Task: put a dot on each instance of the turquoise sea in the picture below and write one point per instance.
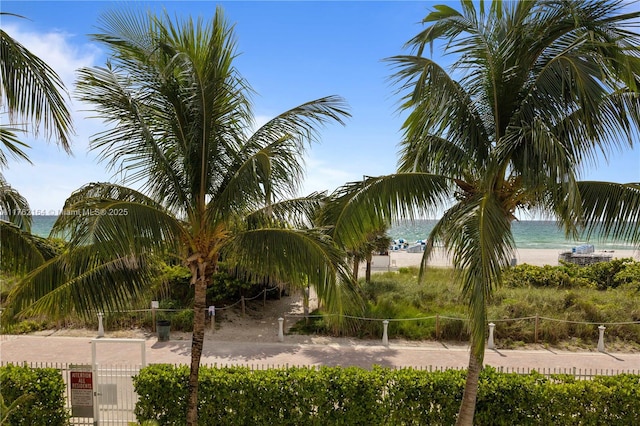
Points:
(528, 234)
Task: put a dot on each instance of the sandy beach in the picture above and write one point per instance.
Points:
(537, 257)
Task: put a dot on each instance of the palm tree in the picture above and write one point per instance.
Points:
(539, 90)
(210, 190)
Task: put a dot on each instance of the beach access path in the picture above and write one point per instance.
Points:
(306, 351)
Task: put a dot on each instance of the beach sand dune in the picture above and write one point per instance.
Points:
(537, 257)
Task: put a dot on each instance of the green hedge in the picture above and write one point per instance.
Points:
(602, 275)
(354, 396)
(45, 404)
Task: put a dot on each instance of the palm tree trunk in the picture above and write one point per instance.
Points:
(197, 342)
(368, 270)
(356, 268)
(468, 405)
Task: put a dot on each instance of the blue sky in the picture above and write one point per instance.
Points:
(291, 52)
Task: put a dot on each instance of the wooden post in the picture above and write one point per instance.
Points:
(305, 303)
(242, 302)
(437, 326)
(535, 331)
(264, 297)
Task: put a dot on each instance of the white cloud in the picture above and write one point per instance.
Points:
(322, 177)
(58, 50)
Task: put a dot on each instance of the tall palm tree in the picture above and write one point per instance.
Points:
(210, 189)
(539, 90)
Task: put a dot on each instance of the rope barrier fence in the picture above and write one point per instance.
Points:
(384, 321)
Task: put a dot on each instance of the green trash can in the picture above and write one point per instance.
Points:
(163, 327)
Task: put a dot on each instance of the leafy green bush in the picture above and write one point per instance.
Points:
(46, 404)
(346, 396)
(602, 275)
(182, 320)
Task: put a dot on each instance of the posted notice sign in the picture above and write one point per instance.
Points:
(81, 384)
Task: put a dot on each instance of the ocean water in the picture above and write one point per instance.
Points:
(528, 234)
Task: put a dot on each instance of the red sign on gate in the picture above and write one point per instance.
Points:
(81, 384)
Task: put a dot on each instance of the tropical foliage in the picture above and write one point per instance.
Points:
(30, 92)
(539, 91)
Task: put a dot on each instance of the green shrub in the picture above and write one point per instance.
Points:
(603, 274)
(26, 326)
(46, 404)
(348, 396)
(538, 276)
(182, 320)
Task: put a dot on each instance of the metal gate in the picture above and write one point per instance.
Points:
(114, 396)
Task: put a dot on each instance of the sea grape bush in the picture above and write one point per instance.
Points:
(380, 396)
(602, 275)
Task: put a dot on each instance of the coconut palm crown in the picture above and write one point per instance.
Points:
(538, 92)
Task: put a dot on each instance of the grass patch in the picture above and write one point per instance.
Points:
(569, 308)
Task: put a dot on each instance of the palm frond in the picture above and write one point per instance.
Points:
(270, 161)
(294, 213)
(440, 109)
(13, 206)
(10, 141)
(33, 92)
(20, 251)
(478, 234)
(118, 220)
(82, 281)
(358, 208)
(612, 210)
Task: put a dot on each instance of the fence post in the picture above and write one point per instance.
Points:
(490, 344)
(437, 326)
(100, 325)
(601, 338)
(535, 331)
(305, 303)
(212, 314)
(242, 303)
(385, 334)
(154, 305)
(281, 329)
(264, 296)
